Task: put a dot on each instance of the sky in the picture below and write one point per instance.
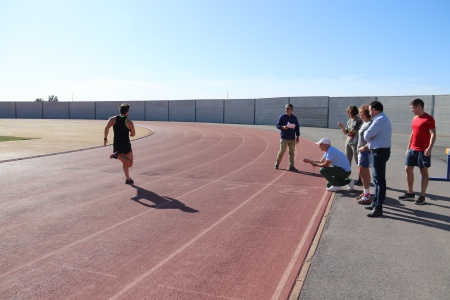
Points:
(217, 49)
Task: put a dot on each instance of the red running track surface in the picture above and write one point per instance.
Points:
(208, 218)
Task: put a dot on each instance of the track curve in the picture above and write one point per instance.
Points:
(208, 218)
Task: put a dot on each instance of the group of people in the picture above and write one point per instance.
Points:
(368, 142)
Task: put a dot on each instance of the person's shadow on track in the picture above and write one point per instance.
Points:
(313, 174)
(310, 173)
(159, 202)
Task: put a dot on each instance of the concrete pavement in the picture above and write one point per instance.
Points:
(404, 255)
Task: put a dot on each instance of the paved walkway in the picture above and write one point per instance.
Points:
(404, 255)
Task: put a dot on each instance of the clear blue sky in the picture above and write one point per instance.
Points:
(198, 49)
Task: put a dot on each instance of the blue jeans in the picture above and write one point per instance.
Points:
(380, 157)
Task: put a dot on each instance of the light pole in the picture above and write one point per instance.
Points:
(227, 95)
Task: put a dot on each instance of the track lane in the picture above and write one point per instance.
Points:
(240, 172)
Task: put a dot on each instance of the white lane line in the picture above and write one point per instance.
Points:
(188, 244)
(114, 194)
(300, 246)
(129, 219)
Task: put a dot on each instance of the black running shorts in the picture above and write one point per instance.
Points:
(122, 148)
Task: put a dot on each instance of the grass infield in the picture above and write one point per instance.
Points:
(12, 138)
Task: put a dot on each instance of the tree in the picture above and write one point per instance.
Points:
(39, 100)
(52, 98)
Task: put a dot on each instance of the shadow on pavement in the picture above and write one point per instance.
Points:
(428, 196)
(396, 210)
(159, 202)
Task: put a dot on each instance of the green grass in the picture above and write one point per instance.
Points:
(12, 138)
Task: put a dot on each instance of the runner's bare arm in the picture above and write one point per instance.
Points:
(108, 125)
(131, 126)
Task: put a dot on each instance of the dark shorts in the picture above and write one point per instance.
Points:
(122, 148)
(364, 159)
(417, 159)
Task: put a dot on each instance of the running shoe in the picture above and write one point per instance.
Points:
(420, 200)
(334, 188)
(351, 185)
(406, 196)
(293, 169)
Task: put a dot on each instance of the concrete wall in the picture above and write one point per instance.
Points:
(311, 111)
(182, 110)
(239, 111)
(442, 115)
(29, 110)
(323, 111)
(8, 110)
(157, 110)
(398, 110)
(105, 109)
(338, 108)
(82, 110)
(55, 110)
(267, 111)
(137, 110)
(209, 111)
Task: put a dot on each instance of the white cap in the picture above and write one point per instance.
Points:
(324, 141)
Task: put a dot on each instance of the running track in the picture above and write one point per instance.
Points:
(208, 218)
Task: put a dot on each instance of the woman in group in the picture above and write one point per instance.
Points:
(364, 156)
(351, 131)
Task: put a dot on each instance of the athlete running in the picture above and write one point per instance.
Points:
(123, 128)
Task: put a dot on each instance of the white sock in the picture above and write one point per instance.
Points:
(367, 191)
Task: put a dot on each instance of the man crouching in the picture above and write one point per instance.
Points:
(334, 166)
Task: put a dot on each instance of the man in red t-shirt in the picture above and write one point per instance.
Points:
(421, 142)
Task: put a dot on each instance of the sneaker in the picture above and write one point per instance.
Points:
(420, 200)
(359, 197)
(129, 181)
(334, 188)
(276, 166)
(293, 169)
(376, 213)
(406, 196)
(351, 185)
(365, 199)
(114, 155)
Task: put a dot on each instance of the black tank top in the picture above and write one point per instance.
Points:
(121, 131)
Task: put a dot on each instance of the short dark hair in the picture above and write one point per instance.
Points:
(290, 106)
(376, 105)
(417, 102)
(124, 108)
(353, 110)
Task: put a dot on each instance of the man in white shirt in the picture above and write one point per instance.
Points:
(378, 138)
(334, 166)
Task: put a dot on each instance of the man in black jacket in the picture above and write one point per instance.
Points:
(289, 136)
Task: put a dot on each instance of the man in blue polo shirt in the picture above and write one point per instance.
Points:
(289, 136)
(334, 166)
